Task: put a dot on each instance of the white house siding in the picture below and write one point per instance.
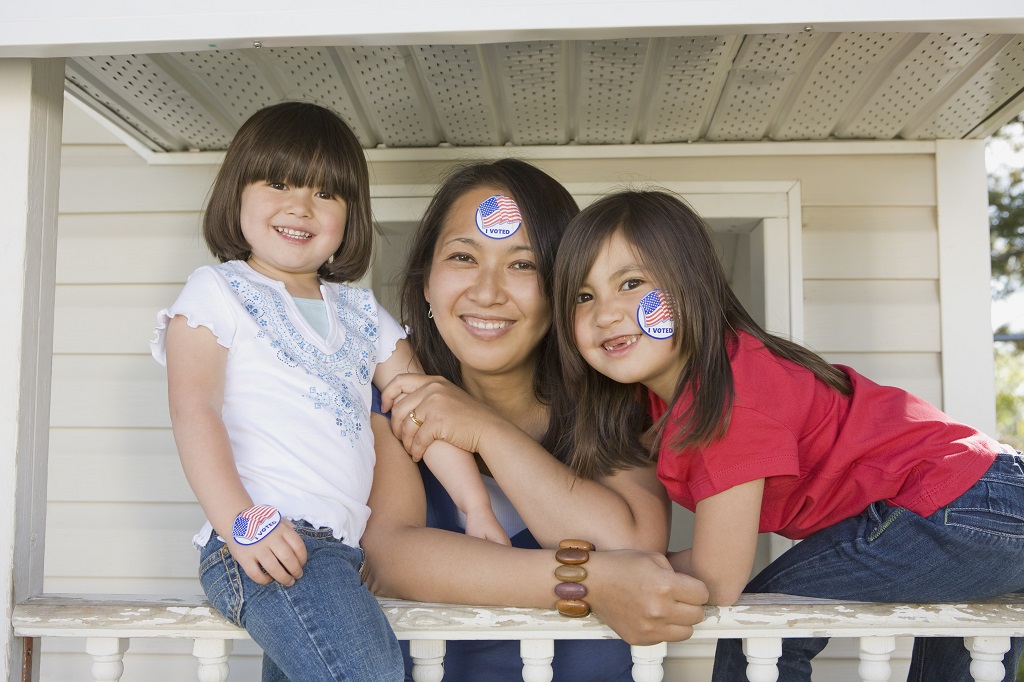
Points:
(120, 514)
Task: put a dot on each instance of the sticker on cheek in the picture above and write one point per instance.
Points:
(654, 315)
(498, 217)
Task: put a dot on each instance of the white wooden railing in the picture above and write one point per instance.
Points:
(107, 623)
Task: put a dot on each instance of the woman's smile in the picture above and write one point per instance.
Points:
(484, 324)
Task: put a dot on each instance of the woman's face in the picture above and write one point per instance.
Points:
(485, 293)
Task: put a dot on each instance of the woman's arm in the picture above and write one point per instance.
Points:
(627, 510)
(635, 593)
(724, 541)
(196, 366)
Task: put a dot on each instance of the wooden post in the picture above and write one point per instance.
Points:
(965, 269)
(31, 113)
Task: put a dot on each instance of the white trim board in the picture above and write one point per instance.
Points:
(71, 27)
(965, 271)
(31, 113)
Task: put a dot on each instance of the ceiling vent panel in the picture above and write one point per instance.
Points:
(997, 82)
(455, 80)
(611, 78)
(912, 84)
(799, 86)
(762, 73)
(391, 95)
(687, 78)
(834, 83)
(229, 85)
(145, 98)
(315, 75)
(534, 91)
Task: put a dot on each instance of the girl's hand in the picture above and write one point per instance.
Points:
(483, 524)
(445, 411)
(279, 556)
(638, 595)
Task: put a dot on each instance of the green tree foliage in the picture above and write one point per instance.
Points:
(1006, 220)
(1009, 365)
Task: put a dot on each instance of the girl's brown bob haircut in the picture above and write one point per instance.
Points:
(303, 145)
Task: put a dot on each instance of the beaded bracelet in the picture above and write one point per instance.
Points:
(571, 556)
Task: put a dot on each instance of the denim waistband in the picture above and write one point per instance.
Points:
(306, 529)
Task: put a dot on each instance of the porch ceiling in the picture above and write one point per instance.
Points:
(715, 88)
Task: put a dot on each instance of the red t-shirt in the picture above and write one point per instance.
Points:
(824, 456)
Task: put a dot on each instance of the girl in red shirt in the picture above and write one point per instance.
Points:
(894, 500)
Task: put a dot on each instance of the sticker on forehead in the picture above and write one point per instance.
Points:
(654, 315)
(498, 217)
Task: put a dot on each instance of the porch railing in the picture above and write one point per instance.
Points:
(108, 623)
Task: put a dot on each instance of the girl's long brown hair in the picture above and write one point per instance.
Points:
(676, 249)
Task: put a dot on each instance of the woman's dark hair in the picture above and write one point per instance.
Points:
(304, 145)
(546, 208)
(676, 249)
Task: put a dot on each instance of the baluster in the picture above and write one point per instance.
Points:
(427, 659)
(874, 658)
(212, 655)
(647, 662)
(537, 655)
(762, 658)
(107, 654)
(987, 657)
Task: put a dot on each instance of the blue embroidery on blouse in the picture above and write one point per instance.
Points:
(354, 312)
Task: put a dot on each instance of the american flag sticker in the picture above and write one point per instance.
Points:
(254, 524)
(498, 217)
(654, 315)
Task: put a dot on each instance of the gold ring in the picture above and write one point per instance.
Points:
(412, 416)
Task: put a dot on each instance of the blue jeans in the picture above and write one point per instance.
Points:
(325, 627)
(969, 549)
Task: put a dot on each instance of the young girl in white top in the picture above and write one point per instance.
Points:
(270, 361)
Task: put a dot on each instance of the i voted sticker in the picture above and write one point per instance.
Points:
(654, 315)
(498, 217)
(254, 524)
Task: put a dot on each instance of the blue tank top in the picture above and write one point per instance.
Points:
(580, 660)
(593, 660)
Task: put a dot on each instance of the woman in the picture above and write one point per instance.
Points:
(480, 309)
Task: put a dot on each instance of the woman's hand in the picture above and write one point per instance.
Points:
(443, 411)
(279, 556)
(638, 595)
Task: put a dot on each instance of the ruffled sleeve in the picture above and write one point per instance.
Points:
(389, 334)
(205, 301)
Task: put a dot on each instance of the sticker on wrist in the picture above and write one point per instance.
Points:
(255, 523)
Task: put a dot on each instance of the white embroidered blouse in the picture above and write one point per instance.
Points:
(296, 404)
